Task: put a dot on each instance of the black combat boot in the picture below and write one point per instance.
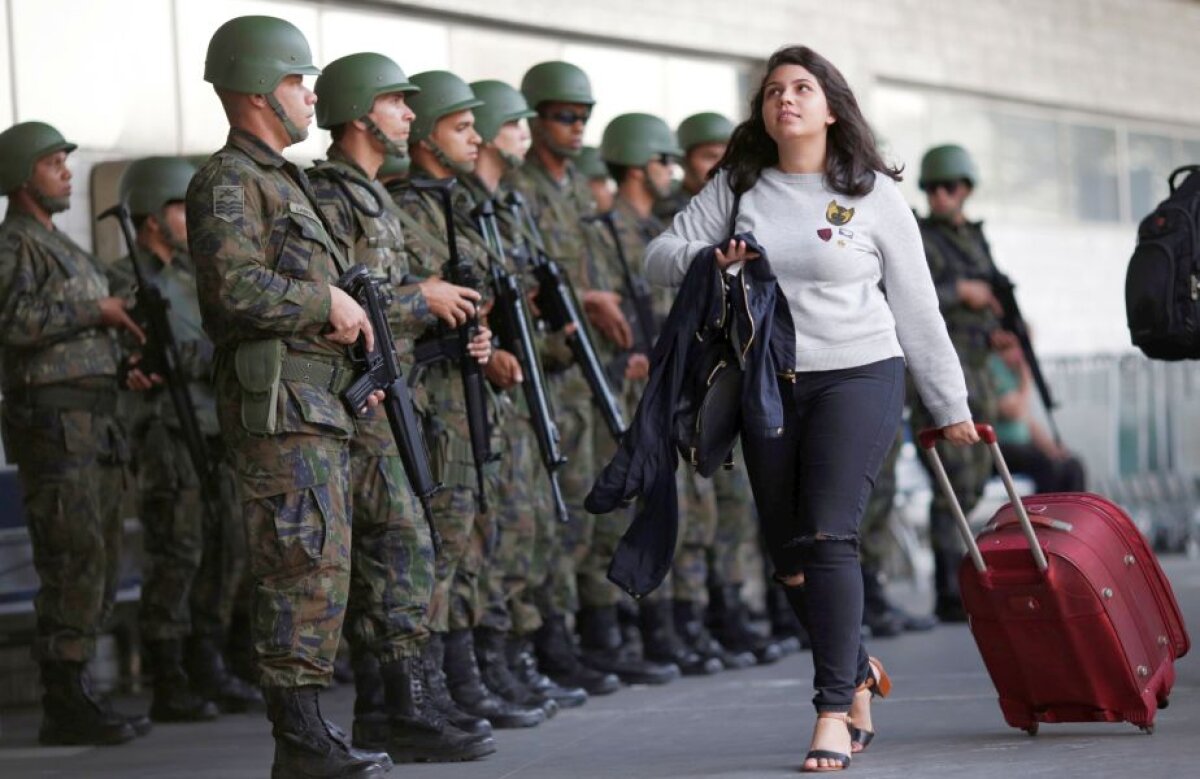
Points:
(949, 606)
(689, 624)
(663, 645)
(470, 693)
(433, 656)
(785, 627)
(173, 699)
(600, 641)
(212, 680)
(490, 651)
(557, 657)
(370, 729)
(731, 620)
(522, 663)
(309, 747)
(72, 715)
(884, 618)
(420, 733)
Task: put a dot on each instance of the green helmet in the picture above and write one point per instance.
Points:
(589, 164)
(394, 165)
(252, 54)
(21, 146)
(950, 162)
(442, 93)
(501, 104)
(556, 82)
(150, 183)
(348, 87)
(636, 139)
(707, 127)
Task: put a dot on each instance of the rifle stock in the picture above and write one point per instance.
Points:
(1014, 322)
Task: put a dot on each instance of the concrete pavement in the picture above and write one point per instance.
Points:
(941, 720)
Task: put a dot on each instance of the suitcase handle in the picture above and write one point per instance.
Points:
(927, 439)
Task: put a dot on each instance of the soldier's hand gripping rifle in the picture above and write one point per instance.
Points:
(558, 308)
(453, 343)
(381, 371)
(637, 291)
(1012, 321)
(513, 325)
(161, 355)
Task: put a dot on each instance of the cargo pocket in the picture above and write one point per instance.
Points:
(287, 532)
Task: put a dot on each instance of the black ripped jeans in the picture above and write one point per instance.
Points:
(811, 486)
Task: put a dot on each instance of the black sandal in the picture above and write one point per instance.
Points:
(880, 686)
(842, 760)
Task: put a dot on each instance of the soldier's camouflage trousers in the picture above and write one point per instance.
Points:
(71, 466)
(592, 544)
(195, 559)
(510, 578)
(392, 571)
(874, 539)
(576, 423)
(968, 468)
(299, 552)
(737, 522)
(716, 520)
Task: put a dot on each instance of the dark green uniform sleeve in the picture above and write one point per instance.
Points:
(26, 317)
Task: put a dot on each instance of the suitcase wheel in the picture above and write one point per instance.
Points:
(1147, 729)
(1032, 729)
(1164, 703)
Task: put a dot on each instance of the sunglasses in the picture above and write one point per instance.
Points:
(951, 187)
(567, 117)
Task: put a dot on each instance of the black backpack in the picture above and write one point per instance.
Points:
(1162, 285)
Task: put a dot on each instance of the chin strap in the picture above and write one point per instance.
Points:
(395, 148)
(445, 161)
(51, 205)
(537, 129)
(294, 133)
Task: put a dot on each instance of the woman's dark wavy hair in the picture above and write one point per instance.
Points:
(851, 157)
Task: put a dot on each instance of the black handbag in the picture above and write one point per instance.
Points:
(708, 415)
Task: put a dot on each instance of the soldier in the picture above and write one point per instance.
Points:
(444, 144)
(195, 557)
(709, 564)
(559, 200)
(527, 530)
(591, 167)
(638, 149)
(266, 274)
(61, 359)
(362, 99)
(962, 268)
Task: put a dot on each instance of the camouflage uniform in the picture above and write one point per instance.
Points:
(391, 578)
(559, 208)
(954, 254)
(60, 429)
(465, 532)
(264, 264)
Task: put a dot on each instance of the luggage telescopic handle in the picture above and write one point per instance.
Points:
(927, 439)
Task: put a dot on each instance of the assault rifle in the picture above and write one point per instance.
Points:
(447, 343)
(637, 291)
(381, 371)
(514, 327)
(161, 355)
(559, 308)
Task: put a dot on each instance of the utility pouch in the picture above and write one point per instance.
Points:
(259, 365)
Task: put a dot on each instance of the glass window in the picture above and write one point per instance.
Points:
(204, 126)
(1027, 166)
(696, 86)
(1094, 173)
(1189, 153)
(1150, 158)
(6, 97)
(105, 79)
(478, 53)
(415, 45)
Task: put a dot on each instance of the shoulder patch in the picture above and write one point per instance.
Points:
(229, 202)
(303, 210)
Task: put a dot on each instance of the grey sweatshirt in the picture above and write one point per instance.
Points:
(833, 256)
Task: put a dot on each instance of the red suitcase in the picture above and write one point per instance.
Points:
(1074, 617)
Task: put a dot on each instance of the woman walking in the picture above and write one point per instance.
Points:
(804, 177)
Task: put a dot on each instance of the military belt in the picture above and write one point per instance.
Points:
(94, 400)
(335, 377)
